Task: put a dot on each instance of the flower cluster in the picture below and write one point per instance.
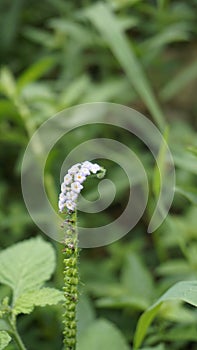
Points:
(72, 184)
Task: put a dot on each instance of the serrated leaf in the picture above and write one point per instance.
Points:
(102, 334)
(26, 265)
(40, 297)
(184, 291)
(4, 339)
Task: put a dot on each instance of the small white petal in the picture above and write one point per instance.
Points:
(70, 205)
(64, 188)
(71, 195)
(61, 206)
(79, 177)
(76, 186)
(62, 196)
(67, 179)
(87, 164)
(95, 167)
(68, 196)
(61, 202)
(85, 171)
(74, 169)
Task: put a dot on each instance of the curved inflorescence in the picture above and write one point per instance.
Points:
(72, 184)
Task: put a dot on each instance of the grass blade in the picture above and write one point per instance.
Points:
(105, 21)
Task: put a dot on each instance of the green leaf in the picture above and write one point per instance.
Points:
(180, 81)
(5, 326)
(85, 314)
(36, 71)
(143, 325)
(189, 192)
(123, 301)
(158, 347)
(106, 22)
(102, 335)
(185, 160)
(129, 293)
(181, 333)
(4, 339)
(184, 291)
(160, 168)
(26, 265)
(9, 25)
(174, 267)
(76, 31)
(136, 278)
(175, 32)
(7, 110)
(42, 37)
(7, 83)
(110, 90)
(176, 311)
(193, 150)
(40, 297)
(75, 90)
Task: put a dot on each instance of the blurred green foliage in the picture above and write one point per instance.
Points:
(56, 54)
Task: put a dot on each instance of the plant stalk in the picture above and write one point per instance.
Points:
(71, 281)
(18, 340)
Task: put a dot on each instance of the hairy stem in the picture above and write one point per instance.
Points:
(71, 280)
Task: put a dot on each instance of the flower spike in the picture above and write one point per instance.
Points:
(72, 183)
(70, 190)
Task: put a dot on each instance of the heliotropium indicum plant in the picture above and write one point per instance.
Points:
(70, 190)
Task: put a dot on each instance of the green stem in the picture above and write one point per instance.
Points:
(71, 280)
(12, 330)
(18, 340)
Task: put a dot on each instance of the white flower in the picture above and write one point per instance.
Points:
(95, 167)
(61, 206)
(80, 177)
(67, 179)
(72, 184)
(87, 164)
(64, 188)
(74, 169)
(70, 205)
(85, 170)
(76, 187)
(71, 195)
(62, 197)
